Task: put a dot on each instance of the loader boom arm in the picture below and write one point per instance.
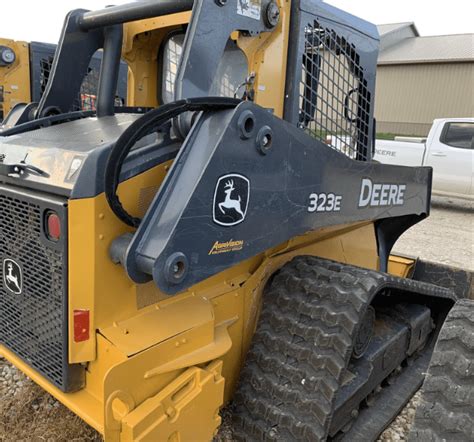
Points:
(228, 182)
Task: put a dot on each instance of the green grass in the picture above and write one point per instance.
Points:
(385, 136)
(391, 137)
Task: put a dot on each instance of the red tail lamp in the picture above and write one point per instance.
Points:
(81, 325)
(53, 226)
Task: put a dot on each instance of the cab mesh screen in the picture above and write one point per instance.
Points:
(86, 99)
(334, 101)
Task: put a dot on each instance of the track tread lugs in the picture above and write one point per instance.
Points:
(276, 404)
(446, 411)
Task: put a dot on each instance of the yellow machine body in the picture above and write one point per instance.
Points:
(15, 78)
(154, 362)
(159, 367)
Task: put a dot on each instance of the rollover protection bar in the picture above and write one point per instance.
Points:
(132, 11)
(84, 33)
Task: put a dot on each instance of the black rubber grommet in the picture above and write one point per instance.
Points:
(264, 139)
(246, 124)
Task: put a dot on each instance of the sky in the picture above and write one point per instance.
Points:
(32, 20)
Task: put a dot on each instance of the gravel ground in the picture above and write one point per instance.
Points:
(446, 236)
(28, 413)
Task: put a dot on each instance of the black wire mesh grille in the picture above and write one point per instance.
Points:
(45, 70)
(334, 101)
(31, 322)
(86, 99)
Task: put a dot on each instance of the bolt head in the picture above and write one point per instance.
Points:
(272, 14)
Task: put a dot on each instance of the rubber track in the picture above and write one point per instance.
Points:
(446, 411)
(311, 312)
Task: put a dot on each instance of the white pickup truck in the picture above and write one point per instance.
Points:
(449, 150)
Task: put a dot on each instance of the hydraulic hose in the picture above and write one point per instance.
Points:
(147, 124)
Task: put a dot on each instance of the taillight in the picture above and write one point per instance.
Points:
(53, 226)
(81, 325)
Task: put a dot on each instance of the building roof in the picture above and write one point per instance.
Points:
(388, 28)
(436, 49)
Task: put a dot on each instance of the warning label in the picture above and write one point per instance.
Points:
(249, 8)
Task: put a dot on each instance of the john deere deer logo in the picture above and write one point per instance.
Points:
(231, 198)
(12, 277)
(229, 203)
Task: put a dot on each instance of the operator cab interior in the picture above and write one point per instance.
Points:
(228, 82)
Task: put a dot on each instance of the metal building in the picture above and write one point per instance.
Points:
(422, 78)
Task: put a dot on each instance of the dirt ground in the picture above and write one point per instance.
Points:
(27, 413)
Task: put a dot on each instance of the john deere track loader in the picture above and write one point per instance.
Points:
(208, 244)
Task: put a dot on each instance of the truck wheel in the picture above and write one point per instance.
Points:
(446, 411)
(310, 315)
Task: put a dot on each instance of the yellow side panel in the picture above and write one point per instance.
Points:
(97, 284)
(158, 324)
(186, 410)
(401, 266)
(15, 78)
(146, 374)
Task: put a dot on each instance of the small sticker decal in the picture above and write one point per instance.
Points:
(249, 8)
(227, 246)
(76, 165)
(12, 276)
(231, 199)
